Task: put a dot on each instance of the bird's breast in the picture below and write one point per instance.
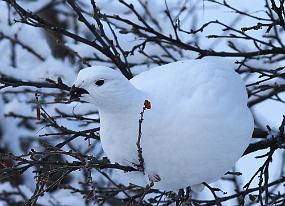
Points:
(119, 135)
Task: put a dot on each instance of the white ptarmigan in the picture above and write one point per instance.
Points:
(197, 128)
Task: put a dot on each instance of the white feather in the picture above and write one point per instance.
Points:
(198, 127)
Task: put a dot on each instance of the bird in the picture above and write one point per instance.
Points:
(196, 122)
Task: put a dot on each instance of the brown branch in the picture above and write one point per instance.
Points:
(10, 81)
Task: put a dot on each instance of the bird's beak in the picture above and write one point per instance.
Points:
(76, 92)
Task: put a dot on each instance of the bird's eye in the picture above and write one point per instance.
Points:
(99, 82)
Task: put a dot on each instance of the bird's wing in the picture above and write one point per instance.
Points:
(197, 82)
(193, 95)
(199, 120)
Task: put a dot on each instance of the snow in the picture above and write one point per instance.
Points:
(62, 196)
(29, 67)
(200, 101)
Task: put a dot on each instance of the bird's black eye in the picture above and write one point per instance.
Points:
(99, 82)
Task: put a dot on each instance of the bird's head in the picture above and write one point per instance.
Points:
(100, 85)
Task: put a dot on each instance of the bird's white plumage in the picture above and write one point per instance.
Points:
(198, 127)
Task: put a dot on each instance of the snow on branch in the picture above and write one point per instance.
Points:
(50, 147)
